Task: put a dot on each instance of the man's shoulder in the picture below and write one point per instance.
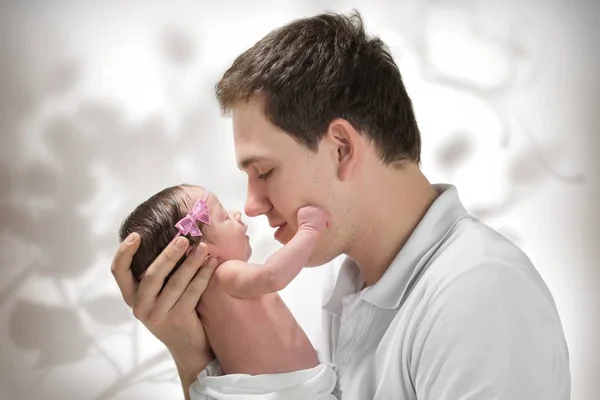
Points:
(475, 250)
(478, 272)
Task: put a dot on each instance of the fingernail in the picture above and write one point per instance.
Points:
(212, 263)
(131, 238)
(179, 243)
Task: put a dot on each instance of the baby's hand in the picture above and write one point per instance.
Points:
(314, 218)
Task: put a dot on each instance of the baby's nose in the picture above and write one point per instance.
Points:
(236, 215)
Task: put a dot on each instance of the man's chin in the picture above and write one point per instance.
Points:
(317, 259)
(285, 236)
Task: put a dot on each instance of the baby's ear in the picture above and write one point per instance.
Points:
(194, 243)
(190, 250)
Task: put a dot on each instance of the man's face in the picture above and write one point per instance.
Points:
(283, 176)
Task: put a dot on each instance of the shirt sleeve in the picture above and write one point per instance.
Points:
(492, 332)
(311, 384)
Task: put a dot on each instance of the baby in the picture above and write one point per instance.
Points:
(272, 340)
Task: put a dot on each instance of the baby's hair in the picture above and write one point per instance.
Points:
(154, 220)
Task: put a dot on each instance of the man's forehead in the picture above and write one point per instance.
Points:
(256, 139)
(254, 146)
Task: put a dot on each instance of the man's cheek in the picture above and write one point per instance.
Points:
(285, 209)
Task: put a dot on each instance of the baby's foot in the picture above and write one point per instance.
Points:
(314, 218)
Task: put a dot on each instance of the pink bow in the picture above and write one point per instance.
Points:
(187, 225)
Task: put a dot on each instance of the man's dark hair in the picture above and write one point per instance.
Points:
(154, 220)
(314, 70)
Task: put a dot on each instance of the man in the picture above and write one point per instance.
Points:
(430, 302)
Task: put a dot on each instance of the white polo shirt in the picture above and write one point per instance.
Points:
(461, 313)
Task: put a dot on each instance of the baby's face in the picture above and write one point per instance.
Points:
(226, 235)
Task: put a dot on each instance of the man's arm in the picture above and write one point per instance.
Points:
(170, 313)
(491, 333)
(187, 378)
(188, 372)
(251, 280)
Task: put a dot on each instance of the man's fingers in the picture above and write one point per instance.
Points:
(121, 267)
(191, 296)
(178, 282)
(155, 275)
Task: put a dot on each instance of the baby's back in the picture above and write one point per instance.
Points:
(253, 336)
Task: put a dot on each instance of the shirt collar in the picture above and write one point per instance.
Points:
(349, 281)
(388, 292)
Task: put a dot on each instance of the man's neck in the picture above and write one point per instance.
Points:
(395, 204)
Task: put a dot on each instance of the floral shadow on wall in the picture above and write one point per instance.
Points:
(50, 202)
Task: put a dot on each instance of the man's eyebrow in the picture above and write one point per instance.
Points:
(248, 161)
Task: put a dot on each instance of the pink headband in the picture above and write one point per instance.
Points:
(187, 225)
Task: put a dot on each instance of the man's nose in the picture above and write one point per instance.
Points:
(256, 203)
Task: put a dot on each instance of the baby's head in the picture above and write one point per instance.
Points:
(155, 219)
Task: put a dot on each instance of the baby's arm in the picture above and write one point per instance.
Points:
(250, 280)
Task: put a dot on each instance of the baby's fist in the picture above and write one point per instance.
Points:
(314, 218)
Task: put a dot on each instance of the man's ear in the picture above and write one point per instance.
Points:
(346, 144)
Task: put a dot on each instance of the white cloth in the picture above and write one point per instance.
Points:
(316, 383)
(461, 313)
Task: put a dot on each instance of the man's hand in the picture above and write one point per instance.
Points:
(170, 314)
(311, 217)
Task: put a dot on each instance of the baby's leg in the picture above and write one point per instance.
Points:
(254, 336)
